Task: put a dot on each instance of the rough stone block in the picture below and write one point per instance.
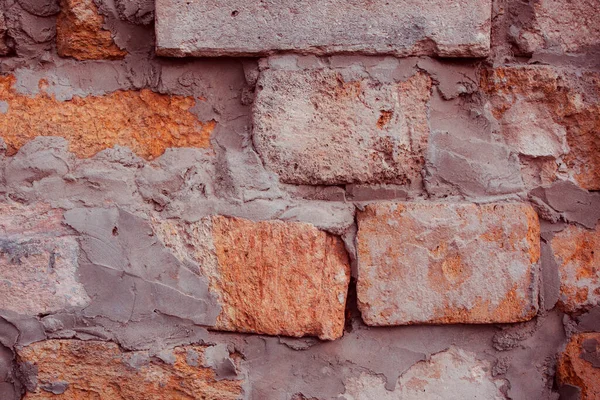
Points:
(80, 33)
(38, 262)
(579, 365)
(271, 277)
(447, 263)
(577, 252)
(327, 125)
(73, 369)
(550, 113)
(561, 26)
(145, 121)
(450, 374)
(400, 27)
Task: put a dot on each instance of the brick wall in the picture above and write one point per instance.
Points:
(385, 199)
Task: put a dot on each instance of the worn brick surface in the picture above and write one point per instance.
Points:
(272, 277)
(562, 26)
(579, 365)
(145, 121)
(75, 369)
(577, 252)
(38, 261)
(313, 126)
(447, 263)
(80, 33)
(401, 27)
(450, 374)
(551, 112)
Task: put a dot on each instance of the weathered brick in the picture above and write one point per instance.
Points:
(577, 252)
(447, 263)
(38, 261)
(145, 121)
(547, 111)
(453, 373)
(72, 369)
(271, 277)
(408, 27)
(312, 126)
(561, 26)
(579, 365)
(80, 33)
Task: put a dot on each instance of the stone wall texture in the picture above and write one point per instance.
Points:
(300, 200)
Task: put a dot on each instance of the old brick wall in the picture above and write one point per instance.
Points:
(308, 199)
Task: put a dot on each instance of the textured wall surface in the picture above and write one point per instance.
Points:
(300, 200)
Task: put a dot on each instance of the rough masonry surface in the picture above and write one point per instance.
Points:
(579, 365)
(73, 369)
(145, 121)
(400, 27)
(447, 263)
(38, 261)
(577, 252)
(80, 33)
(331, 126)
(257, 268)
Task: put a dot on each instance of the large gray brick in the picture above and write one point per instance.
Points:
(447, 28)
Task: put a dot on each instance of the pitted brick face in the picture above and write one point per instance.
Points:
(577, 252)
(74, 369)
(80, 33)
(315, 127)
(447, 263)
(145, 121)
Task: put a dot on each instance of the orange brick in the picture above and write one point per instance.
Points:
(79, 33)
(577, 252)
(144, 121)
(447, 263)
(92, 369)
(271, 277)
(578, 365)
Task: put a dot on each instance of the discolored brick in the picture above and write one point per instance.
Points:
(447, 263)
(579, 365)
(577, 252)
(75, 369)
(271, 277)
(80, 33)
(318, 126)
(145, 121)
(38, 261)
(550, 112)
(450, 374)
(561, 26)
